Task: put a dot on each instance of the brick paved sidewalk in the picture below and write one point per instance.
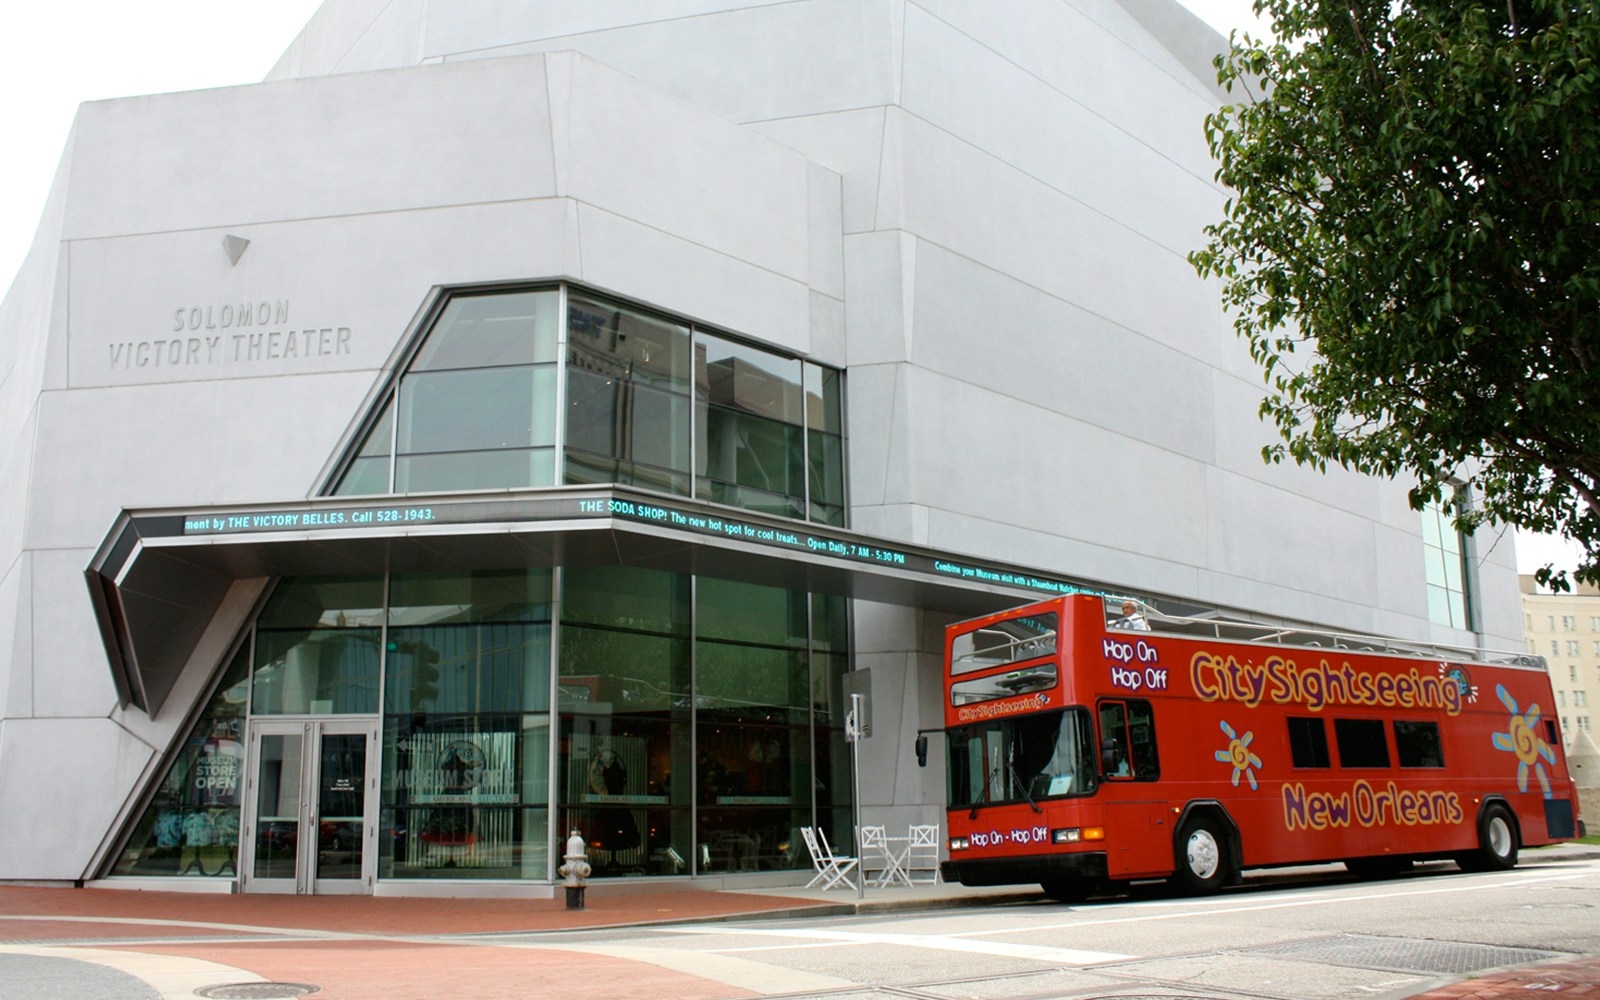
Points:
(1572, 978)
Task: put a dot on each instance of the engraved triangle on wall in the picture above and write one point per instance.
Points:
(234, 247)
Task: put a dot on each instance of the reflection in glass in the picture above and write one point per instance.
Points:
(1009, 641)
(369, 471)
(464, 797)
(476, 409)
(749, 411)
(191, 826)
(1038, 677)
(626, 752)
(627, 396)
(466, 745)
(633, 433)
(1024, 757)
(617, 341)
(325, 601)
(277, 806)
(315, 672)
(492, 330)
(341, 805)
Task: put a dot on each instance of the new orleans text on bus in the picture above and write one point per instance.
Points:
(1083, 753)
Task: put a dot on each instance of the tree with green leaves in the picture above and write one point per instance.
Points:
(1411, 248)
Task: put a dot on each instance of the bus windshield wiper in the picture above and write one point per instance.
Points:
(988, 783)
(1015, 780)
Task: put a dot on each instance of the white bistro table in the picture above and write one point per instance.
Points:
(895, 852)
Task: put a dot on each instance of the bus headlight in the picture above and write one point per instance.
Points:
(1074, 834)
(958, 843)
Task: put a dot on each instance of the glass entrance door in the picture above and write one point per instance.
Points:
(310, 800)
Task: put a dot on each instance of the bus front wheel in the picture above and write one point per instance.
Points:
(1497, 843)
(1202, 862)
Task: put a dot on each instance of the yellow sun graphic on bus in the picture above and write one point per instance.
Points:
(1522, 738)
(1238, 754)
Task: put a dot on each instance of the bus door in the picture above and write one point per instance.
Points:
(1138, 819)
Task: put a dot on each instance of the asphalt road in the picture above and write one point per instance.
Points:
(1303, 935)
(1296, 936)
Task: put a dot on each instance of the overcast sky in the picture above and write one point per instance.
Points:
(61, 53)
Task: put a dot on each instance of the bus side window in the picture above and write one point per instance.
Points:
(1142, 738)
(1417, 744)
(1114, 740)
(1128, 740)
(1362, 742)
(1308, 742)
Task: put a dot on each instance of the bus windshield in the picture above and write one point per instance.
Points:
(1022, 758)
(1002, 642)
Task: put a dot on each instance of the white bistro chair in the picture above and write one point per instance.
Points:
(922, 855)
(832, 869)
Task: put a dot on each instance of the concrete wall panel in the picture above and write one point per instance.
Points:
(758, 63)
(1021, 466)
(623, 256)
(16, 640)
(969, 90)
(334, 30)
(1241, 434)
(44, 833)
(487, 25)
(177, 444)
(1283, 539)
(993, 331)
(71, 676)
(1100, 56)
(977, 206)
(850, 143)
(880, 272)
(875, 453)
(683, 171)
(305, 149)
(824, 234)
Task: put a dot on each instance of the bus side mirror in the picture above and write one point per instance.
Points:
(922, 751)
(1110, 756)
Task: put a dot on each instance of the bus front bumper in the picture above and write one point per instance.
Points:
(1041, 868)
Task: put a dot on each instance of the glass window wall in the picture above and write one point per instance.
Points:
(626, 740)
(317, 648)
(191, 827)
(697, 725)
(466, 755)
(649, 402)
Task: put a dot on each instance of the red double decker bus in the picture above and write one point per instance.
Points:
(1084, 752)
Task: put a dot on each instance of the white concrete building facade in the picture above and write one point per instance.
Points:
(515, 416)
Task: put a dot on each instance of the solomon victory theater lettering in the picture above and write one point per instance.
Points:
(231, 333)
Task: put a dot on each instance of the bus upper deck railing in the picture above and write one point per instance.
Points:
(1308, 638)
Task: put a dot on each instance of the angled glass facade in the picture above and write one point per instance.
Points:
(501, 392)
(456, 725)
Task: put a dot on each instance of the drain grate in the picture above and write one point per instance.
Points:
(1404, 954)
(256, 991)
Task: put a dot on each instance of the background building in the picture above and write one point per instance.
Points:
(508, 417)
(1565, 630)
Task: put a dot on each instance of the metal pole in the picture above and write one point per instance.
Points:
(852, 731)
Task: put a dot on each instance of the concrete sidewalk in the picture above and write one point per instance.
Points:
(167, 945)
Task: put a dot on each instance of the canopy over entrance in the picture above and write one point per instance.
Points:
(160, 576)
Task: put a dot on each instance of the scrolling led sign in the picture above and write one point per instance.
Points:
(693, 521)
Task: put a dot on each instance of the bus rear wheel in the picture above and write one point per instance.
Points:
(1202, 861)
(1497, 843)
